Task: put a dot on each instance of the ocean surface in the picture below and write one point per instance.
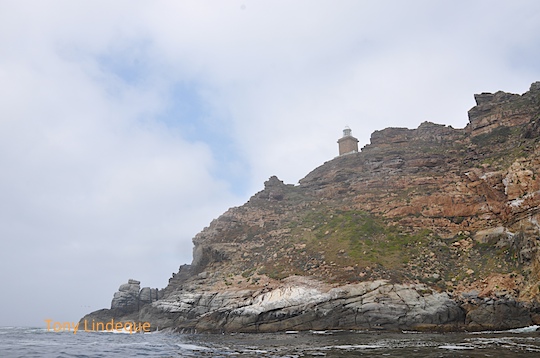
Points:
(38, 342)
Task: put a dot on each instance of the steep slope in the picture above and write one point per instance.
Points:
(429, 228)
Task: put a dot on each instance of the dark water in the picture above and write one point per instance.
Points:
(37, 342)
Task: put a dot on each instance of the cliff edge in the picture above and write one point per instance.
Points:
(432, 228)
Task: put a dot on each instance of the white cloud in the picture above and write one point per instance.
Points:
(94, 189)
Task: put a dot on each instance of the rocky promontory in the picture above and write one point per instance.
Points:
(432, 228)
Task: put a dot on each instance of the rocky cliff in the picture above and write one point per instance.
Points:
(431, 228)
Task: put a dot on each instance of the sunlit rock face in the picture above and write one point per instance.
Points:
(431, 228)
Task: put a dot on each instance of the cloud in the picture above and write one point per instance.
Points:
(126, 127)
(95, 190)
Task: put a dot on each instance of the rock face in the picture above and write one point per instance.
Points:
(493, 315)
(299, 303)
(430, 228)
(127, 297)
(494, 110)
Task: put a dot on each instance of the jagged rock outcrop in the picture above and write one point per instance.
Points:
(126, 303)
(500, 109)
(127, 297)
(426, 228)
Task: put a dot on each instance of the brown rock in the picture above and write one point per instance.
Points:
(452, 209)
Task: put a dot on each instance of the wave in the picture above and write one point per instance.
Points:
(527, 329)
(456, 347)
(192, 347)
(355, 346)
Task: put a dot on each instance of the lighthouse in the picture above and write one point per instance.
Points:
(347, 144)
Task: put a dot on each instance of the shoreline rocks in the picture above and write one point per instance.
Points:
(301, 303)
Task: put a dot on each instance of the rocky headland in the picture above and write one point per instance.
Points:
(432, 228)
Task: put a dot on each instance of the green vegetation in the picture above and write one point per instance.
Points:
(357, 238)
(339, 240)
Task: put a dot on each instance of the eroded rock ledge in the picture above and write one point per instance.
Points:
(302, 304)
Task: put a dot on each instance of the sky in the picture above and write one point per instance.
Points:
(127, 126)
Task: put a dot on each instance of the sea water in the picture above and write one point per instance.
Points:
(38, 342)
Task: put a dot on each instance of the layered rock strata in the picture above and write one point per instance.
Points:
(429, 228)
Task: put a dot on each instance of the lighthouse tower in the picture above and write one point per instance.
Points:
(347, 144)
